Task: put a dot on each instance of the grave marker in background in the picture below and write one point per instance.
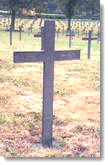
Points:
(41, 34)
(10, 35)
(98, 36)
(89, 39)
(47, 56)
(20, 30)
(4, 22)
(71, 34)
(30, 29)
(58, 32)
(63, 30)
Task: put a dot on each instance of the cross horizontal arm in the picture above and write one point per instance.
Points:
(37, 35)
(85, 39)
(94, 38)
(67, 55)
(89, 39)
(24, 57)
(38, 56)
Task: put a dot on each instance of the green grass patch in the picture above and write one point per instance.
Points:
(2, 119)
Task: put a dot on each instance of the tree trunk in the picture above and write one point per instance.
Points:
(13, 19)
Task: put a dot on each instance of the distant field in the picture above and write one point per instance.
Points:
(76, 101)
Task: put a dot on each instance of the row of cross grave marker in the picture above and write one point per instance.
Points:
(70, 33)
(47, 55)
(20, 32)
(31, 26)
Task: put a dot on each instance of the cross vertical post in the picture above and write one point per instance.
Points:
(10, 35)
(48, 76)
(20, 29)
(58, 32)
(42, 36)
(63, 31)
(98, 35)
(69, 38)
(70, 34)
(89, 44)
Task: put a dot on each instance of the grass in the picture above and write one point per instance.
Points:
(76, 124)
(2, 119)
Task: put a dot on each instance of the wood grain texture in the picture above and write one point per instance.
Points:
(66, 55)
(27, 57)
(48, 80)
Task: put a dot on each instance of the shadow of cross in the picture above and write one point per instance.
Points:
(89, 42)
(47, 56)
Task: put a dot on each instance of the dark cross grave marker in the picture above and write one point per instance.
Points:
(83, 32)
(75, 31)
(71, 34)
(47, 56)
(89, 39)
(78, 32)
(4, 22)
(98, 36)
(7, 29)
(63, 31)
(20, 30)
(30, 29)
(10, 35)
(40, 23)
(41, 34)
(58, 32)
(86, 33)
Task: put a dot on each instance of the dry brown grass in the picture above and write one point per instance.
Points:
(76, 128)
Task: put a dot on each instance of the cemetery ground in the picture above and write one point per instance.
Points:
(76, 123)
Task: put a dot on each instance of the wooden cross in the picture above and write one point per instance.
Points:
(98, 35)
(47, 56)
(89, 39)
(78, 32)
(20, 30)
(10, 35)
(86, 33)
(58, 32)
(4, 22)
(63, 30)
(71, 34)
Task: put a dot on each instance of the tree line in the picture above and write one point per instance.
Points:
(67, 7)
